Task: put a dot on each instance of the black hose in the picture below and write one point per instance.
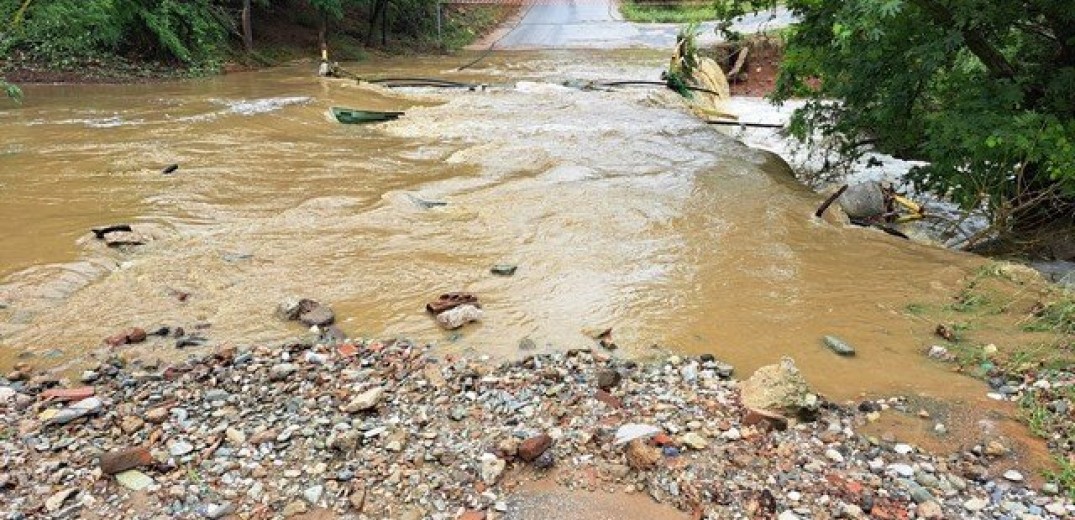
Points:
(655, 83)
(429, 81)
(427, 84)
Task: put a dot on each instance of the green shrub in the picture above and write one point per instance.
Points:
(982, 91)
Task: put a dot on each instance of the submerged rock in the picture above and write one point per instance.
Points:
(839, 346)
(863, 200)
(457, 317)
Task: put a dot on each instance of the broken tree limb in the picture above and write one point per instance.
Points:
(828, 202)
(100, 233)
(739, 62)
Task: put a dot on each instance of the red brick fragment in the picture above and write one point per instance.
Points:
(532, 448)
(119, 461)
(68, 394)
(608, 399)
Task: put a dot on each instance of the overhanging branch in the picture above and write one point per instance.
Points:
(978, 44)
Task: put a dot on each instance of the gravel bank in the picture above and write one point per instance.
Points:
(387, 430)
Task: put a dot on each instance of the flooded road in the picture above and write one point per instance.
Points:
(621, 209)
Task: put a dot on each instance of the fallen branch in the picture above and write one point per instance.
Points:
(739, 62)
(828, 202)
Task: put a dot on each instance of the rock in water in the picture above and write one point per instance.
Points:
(289, 309)
(314, 313)
(454, 318)
(504, 269)
(863, 200)
(780, 388)
(839, 346)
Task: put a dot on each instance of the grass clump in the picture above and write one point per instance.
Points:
(668, 12)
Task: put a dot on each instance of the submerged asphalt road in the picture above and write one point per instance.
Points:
(597, 24)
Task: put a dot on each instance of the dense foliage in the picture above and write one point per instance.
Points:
(984, 90)
(69, 32)
(198, 34)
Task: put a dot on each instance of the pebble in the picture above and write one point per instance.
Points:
(235, 436)
(1057, 508)
(834, 456)
(365, 401)
(902, 449)
(219, 510)
(312, 494)
(180, 448)
(733, 434)
(975, 504)
(694, 441)
(1013, 475)
(903, 470)
(491, 468)
(930, 509)
(134, 480)
(295, 507)
(282, 371)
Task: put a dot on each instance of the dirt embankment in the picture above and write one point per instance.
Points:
(752, 66)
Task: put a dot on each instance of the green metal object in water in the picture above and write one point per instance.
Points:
(354, 116)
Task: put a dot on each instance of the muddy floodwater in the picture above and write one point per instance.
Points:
(621, 210)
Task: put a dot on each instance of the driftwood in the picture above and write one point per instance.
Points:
(828, 202)
(101, 232)
(739, 62)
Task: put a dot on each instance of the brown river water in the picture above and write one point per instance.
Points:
(621, 209)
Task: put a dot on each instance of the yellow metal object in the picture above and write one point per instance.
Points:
(913, 207)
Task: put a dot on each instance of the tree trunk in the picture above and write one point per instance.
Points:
(977, 43)
(384, 24)
(378, 10)
(321, 30)
(248, 33)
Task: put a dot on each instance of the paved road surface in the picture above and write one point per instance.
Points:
(597, 24)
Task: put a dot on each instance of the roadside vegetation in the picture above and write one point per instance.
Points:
(668, 11)
(983, 92)
(97, 40)
(1009, 328)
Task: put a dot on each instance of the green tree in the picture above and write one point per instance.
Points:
(66, 33)
(984, 90)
